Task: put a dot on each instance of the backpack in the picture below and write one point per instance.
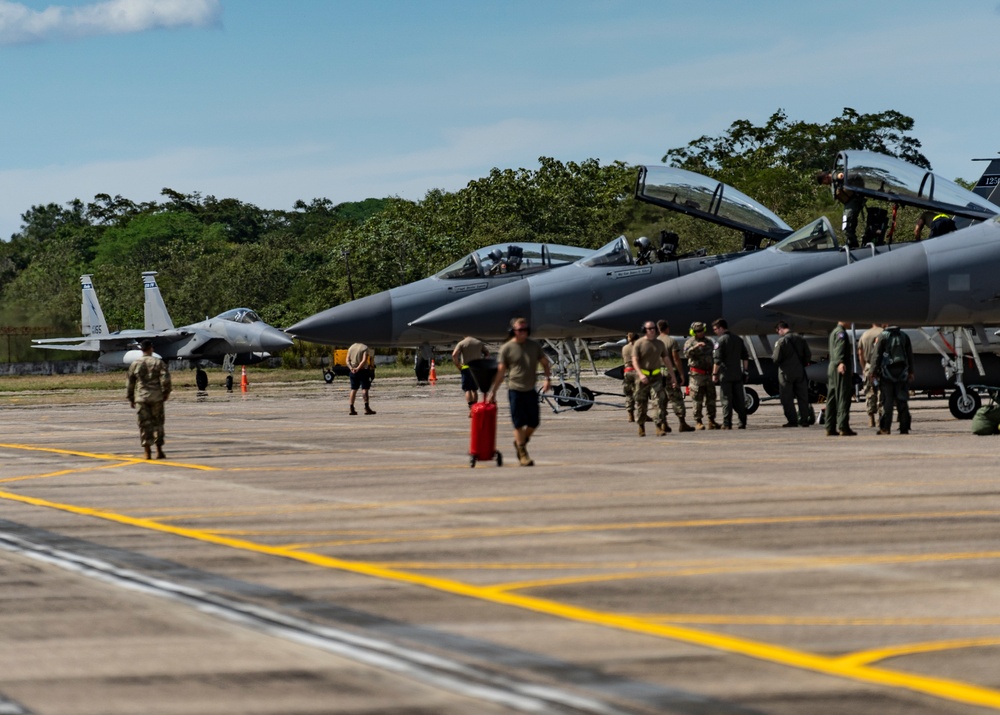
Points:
(986, 421)
(895, 366)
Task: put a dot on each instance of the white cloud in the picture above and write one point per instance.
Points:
(20, 24)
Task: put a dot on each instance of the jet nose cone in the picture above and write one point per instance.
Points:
(365, 320)
(486, 315)
(891, 288)
(273, 340)
(683, 300)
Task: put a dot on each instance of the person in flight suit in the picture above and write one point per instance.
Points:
(730, 365)
(674, 395)
(148, 385)
(854, 203)
(698, 350)
(893, 363)
(467, 350)
(791, 355)
(839, 384)
(628, 379)
(650, 358)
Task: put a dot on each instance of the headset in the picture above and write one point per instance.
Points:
(510, 328)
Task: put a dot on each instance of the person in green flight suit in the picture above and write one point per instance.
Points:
(839, 384)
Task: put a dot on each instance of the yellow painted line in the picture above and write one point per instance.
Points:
(871, 656)
(851, 621)
(113, 457)
(64, 472)
(938, 687)
(448, 534)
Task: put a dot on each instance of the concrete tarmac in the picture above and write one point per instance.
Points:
(289, 558)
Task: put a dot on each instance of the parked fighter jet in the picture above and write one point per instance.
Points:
(736, 289)
(236, 337)
(555, 302)
(383, 319)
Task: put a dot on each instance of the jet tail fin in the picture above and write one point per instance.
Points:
(988, 185)
(157, 317)
(92, 320)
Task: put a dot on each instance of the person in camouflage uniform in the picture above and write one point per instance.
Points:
(628, 378)
(149, 386)
(674, 395)
(650, 359)
(698, 350)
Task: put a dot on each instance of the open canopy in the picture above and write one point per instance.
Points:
(512, 258)
(885, 177)
(696, 195)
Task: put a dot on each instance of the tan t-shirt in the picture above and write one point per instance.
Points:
(521, 362)
(649, 353)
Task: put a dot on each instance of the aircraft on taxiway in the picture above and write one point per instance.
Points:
(235, 337)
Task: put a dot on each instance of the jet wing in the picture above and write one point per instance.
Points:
(112, 341)
(889, 179)
(695, 195)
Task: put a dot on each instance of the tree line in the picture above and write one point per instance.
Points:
(213, 254)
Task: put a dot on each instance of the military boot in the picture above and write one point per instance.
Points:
(685, 427)
(660, 430)
(148, 450)
(369, 410)
(712, 424)
(642, 430)
(159, 452)
(666, 427)
(699, 425)
(522, 455)
(631, 416)
(353, 411)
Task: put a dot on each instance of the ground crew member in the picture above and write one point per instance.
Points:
(674, 394)
(362, 366)
(628, 378)
(518, 360)
(148, 385)
(869, 376)
(839, 384)
(791, 355)
(893, 363)
(650, 358)
(853, 202)
(698, 350)
(467, 350)
(730, 360)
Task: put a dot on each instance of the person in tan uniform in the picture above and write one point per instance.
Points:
(650, 359)
(467, 350)
(867, 344)
(148, 385)
(674, 395)
(628, 380)
(698, 349)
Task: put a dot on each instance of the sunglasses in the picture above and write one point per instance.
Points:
(650, 327)
(520, 330)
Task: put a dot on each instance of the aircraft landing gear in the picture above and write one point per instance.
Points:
(964, 406)
(753, 399)
(201, 379)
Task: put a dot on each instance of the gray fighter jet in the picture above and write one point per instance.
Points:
(383, 319)
(555, 302)
(236, 337)
(736, 289)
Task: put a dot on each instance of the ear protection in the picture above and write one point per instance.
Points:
(510, 328)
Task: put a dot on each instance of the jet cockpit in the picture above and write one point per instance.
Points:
(523, 258)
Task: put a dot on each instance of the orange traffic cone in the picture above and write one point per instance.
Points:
(244, 384)
(433, 377)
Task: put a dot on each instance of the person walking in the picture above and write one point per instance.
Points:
(650, 358)
(731, 360)
(673, 389)
(362, 367)
(791, 355)
(893, 363)
(467, 350)
(839, 384)
(628, 377)
(518, 361)
(148, 385)
(698, 350)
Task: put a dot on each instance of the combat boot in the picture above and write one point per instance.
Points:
(660, 431)
(522, 455)
(369, 410)
(642, 430)
(666, 427)
(353, 411)
(871, 420)
(699, 425)
(685, 427)
(712, 424)
(631, 416)
(148, 450)
(159, 452)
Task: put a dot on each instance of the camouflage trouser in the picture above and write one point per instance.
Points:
(702, 393)
(628, 389)
(675, 397)
(873, 395)
(150, 418)
(642, 390)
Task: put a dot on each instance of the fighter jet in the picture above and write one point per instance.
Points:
(736, 289)
(236, 337)
(555, 302)
(383, 319)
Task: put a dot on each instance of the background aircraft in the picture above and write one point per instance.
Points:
(236, 337)
(383, 319)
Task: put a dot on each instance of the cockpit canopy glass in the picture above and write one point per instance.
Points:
(615, 253)
(689, 192)
(887, 177)
(815, 236)
(240, 315)
(512, 258)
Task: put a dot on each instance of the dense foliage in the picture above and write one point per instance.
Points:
(214, 254)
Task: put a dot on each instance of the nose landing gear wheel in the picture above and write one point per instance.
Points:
(753, 399)
(964, 408)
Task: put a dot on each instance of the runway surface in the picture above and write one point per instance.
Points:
(289, 558)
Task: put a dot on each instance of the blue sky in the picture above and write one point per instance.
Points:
(271, 101)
